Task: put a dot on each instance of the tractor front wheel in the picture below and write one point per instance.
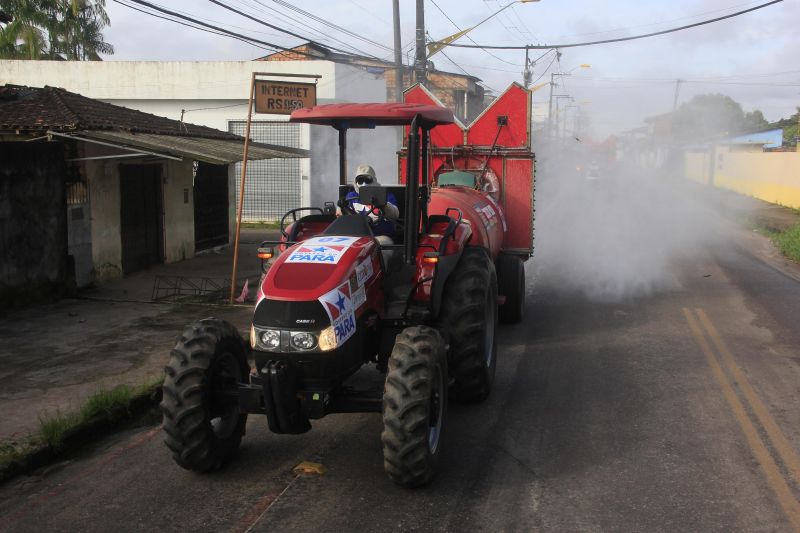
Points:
(414, 406)
(202, 423)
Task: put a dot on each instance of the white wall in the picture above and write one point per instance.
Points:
(103, 182)
(178, 202)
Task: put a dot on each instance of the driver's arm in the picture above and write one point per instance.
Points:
(390, 209)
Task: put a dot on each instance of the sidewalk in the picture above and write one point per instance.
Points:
(54, 356)
(745, 208)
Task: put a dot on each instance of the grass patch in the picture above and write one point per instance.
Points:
(104, 406)
(788, 242)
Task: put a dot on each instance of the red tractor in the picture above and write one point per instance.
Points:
(423, 310)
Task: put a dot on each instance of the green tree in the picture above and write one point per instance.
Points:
(791, 128)
(23, 37)
(710, 115)
(54, 29)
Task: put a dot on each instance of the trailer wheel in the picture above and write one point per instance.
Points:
(469, 316)
(202, 424)
(511, 284)
(414, 406)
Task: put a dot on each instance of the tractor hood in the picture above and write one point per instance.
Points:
(312, 268)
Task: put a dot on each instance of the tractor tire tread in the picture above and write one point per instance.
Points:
(186, 419)
(407, 458)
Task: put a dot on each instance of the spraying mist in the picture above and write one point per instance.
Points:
(609, 231)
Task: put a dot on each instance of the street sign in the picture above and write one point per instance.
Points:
(281, 97)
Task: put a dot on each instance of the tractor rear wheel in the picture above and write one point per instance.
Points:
(511, 284)
(202, 423)
(414, 406)
(469, 316)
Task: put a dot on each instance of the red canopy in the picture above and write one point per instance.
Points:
(370, 115)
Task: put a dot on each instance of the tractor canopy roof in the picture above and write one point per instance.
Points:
(371, 115)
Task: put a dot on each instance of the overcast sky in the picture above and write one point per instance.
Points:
(753, 58)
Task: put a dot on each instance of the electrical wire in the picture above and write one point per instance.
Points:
(660, 23)
(467, 36)
(261, 9)
(221, 33)
(321, 20)
(267, 24)
(250, 40)
(617, 40)
(546, 69)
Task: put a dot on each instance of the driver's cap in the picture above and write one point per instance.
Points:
(365, 170)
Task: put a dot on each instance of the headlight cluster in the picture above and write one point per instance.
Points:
(278, 340)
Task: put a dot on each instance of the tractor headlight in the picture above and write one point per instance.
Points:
(327, 339)
(270, 339)
(303, 340)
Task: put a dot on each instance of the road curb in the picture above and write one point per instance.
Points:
(77, 438)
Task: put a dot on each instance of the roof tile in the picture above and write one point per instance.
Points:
(33, 109)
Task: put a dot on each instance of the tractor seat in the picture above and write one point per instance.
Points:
(350, 226)
(358, 226)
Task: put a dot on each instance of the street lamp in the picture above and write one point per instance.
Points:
(435, 46)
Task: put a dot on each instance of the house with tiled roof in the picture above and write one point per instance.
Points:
(97, 191)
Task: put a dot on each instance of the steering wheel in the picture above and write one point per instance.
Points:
(345, 206)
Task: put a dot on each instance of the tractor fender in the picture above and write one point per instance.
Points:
(445, 267)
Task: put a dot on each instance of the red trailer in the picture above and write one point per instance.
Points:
(495, 149)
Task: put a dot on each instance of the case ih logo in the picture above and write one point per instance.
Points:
(321, 250)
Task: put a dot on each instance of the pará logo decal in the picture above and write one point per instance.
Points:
(321, 250)
(338, 304)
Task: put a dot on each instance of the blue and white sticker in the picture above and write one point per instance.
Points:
(340, 306)
(321, 250)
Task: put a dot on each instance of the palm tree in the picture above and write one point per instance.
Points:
(54, 29)
(79, 30)
(23, 37)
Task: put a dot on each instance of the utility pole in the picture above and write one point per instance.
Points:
(550, 106)
(420, 63)
(526, 74)
(677, 91)
(398, 56)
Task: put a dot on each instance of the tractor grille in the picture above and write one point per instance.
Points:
(285, 315)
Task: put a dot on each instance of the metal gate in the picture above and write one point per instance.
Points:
(272, 186)
(210, 206)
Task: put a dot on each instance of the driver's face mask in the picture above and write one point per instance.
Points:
(363, 180)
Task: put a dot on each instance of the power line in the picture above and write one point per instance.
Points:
(467, 36)
(221, 33)
(620, 39)
(268, 25)
(235, 35)
(545, 70)
(321, 20)
(662, 22)
(291, 20)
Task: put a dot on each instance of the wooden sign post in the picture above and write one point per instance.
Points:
(275, 98)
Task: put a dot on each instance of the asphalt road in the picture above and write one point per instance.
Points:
(673, 411)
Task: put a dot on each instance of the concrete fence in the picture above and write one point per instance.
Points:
(770, 176)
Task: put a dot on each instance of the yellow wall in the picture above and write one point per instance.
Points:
(770, 176)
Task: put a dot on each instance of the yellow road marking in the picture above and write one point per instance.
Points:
(777, 437)
(771, 472)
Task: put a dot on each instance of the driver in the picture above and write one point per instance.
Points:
(382, 225)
